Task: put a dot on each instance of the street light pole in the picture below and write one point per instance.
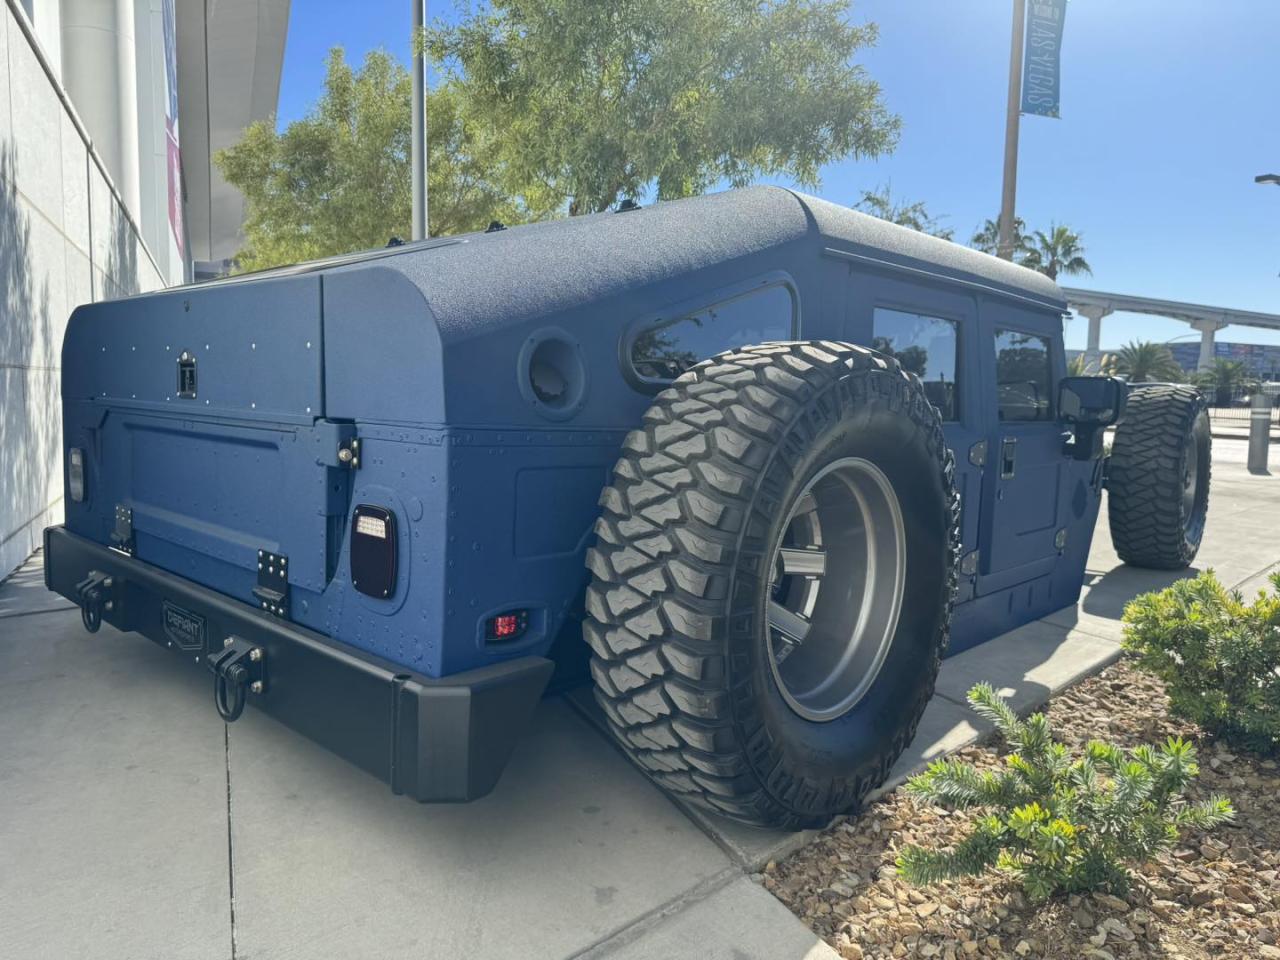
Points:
(1268, 178)
(418, 131)
(1005, 243)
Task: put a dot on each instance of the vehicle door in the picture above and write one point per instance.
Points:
(1022, 527)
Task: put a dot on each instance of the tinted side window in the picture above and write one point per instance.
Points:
(670, 347)
(1024, 377)
(925, 346)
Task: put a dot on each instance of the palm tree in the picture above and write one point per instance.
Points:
(1225, 377)
(1142, 361)
(987, 237)
(1104, 366)
(1058, 251)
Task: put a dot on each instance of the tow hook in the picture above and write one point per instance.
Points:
(239, 669)
(94, 594)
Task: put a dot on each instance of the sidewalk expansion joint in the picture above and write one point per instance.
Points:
(231, 862)
(36, 613)
(635, 929)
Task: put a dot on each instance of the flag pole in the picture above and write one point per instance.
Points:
(418, 132)
(1005, 244)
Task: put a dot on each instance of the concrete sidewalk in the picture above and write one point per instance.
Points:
(134, 824)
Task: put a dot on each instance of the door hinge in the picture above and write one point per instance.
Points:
(272, 590)
(122, 533)
(969, 563)
(978, 453)
(349, 453)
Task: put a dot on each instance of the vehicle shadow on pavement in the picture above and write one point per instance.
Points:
(1109, 593)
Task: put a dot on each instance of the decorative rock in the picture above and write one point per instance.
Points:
(1117, 929)
(1111, 902)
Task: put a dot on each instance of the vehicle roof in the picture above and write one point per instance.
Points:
(475, 281)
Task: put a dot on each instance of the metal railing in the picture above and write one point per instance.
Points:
(1237, 410)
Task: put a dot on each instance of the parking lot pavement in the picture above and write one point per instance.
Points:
(134, 824)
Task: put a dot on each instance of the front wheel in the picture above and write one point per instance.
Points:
(1158, 477)
(773, 579)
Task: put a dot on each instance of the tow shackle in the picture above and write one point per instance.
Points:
(239, 669)
(94, 595)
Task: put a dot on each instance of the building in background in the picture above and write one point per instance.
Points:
(1260, 359)
(109, 111)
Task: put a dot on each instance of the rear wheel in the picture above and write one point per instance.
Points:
(1158, 477)
(773, 579)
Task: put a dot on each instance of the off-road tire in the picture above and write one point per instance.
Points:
(1152, 525)
(676, 604)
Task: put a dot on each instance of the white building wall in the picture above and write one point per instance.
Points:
(65, 239)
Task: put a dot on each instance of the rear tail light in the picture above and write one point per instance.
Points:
(373, 551)
(75, 474)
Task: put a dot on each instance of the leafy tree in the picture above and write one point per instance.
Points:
(879, 203)
(1056, 252)
(1060, 824)
(339, 179)
(1224, 378)
(914, 358)
(589, 103)
(1142, 361)
(987, 237)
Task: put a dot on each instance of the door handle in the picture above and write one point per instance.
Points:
(1008, 457)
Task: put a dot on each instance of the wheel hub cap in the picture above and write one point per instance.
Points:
(835, 590)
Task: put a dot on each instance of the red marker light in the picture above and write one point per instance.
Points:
(507, 626)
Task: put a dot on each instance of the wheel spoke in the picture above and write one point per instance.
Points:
(792, 627)
(806, 504)
(803, 563)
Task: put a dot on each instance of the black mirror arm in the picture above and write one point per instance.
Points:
(1084, 442)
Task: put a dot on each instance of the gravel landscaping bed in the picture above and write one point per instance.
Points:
(1215, 895)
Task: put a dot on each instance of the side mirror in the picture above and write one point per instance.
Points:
(1089, 405)
(1095, 401)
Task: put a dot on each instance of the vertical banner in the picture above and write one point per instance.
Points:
(171, 124)
(1042, 59)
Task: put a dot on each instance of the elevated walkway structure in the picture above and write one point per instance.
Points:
(1095, 304)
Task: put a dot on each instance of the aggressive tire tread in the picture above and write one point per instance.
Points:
(1145, 477)
(681, 539)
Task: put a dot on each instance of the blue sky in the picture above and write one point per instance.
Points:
(1169, 110)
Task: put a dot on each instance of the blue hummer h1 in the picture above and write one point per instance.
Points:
(767, 456)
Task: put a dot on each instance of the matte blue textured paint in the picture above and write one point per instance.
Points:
(414, 351)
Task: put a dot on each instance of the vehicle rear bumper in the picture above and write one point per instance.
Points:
(434, 740)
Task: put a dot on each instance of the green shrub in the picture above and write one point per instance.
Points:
(1218, 656)
(1058, 824)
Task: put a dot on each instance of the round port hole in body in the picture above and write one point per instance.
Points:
(552, 374)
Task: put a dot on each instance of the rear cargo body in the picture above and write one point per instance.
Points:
(288, 372)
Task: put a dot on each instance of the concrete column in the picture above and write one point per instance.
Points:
(1207, 330)
(1093, 350)
(100, 71)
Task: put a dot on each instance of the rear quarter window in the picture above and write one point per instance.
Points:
(925, 346)
(666, 348)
